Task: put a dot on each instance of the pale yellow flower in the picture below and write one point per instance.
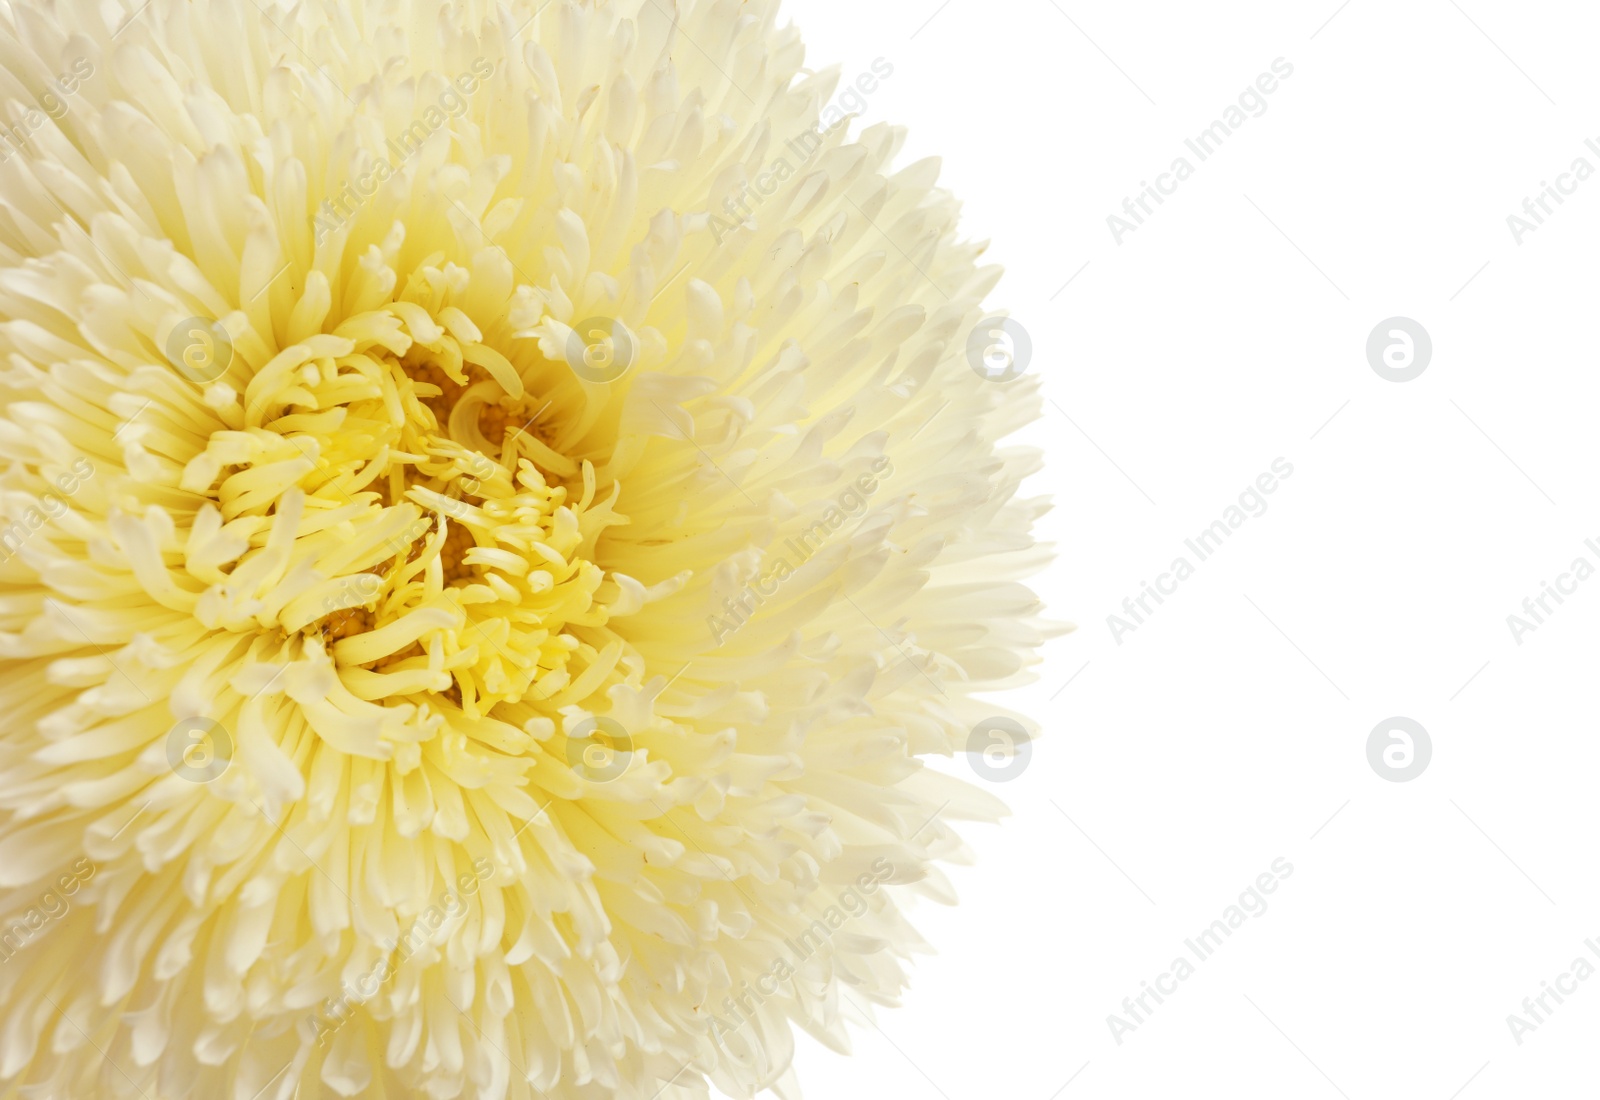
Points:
(476, 583)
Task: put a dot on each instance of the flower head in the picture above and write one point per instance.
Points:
(494, 506)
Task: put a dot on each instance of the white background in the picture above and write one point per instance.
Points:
(1230, 728)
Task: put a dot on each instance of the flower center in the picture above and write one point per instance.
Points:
(404, 510)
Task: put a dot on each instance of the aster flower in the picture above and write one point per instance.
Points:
(475, 588)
